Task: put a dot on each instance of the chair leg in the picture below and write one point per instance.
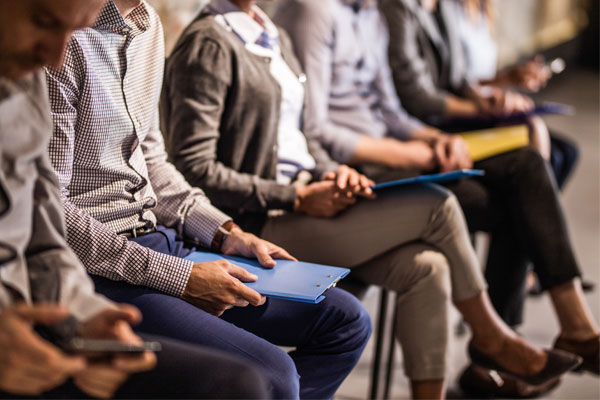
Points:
(390, 361)
(383, 301)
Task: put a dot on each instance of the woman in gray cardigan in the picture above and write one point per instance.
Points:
(232, 116)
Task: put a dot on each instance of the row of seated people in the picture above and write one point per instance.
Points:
(271, 148)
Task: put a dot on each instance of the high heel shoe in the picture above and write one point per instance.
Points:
(589, 350)
(558, 362)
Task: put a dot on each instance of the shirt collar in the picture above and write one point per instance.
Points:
(241, 23)
(110, 18)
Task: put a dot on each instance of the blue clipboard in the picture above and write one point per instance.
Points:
(441, 177)
(288, 280)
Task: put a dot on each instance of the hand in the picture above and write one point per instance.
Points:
(350, 182)
(102, 379)
(532, 75)
(218, 285)
(497, 101)
(240, 243)
(323, 199)
(452, 153)
(29, 365)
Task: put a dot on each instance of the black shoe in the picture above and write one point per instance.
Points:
(558, 362)
(589, 350)
(477, 382)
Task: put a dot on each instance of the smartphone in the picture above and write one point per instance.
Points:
(105, 347)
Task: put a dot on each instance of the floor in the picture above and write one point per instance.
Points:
(581, 199)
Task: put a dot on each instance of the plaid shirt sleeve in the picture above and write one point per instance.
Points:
(102, 251)
(178, 203)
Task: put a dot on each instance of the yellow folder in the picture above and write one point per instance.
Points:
(490, 142)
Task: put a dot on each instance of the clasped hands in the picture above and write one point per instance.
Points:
(30, 365)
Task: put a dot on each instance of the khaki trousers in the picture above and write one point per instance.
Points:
(412, 240)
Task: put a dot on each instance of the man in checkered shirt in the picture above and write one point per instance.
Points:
(131, 218)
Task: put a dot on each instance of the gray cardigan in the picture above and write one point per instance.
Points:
(424, 67)
(220, 112)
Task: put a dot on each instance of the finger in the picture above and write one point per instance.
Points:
(263, 299)
(440, 153)
(329, 176)
(123, 312)
(46, 314)
(261, 252)
(98, 387)
(280, 253)
(142, 362)
(240, 273)
(342, 177)
(353, 178)
(244, 292)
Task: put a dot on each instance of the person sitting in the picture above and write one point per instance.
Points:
(354, 112)
(44, 290)
(237, 133)
(131, 218)
(440, 73)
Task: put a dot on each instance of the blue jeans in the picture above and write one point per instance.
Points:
(328, 337)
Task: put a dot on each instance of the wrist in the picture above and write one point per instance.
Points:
(221, 235)
(298, 202)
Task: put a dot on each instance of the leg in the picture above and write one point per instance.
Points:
(329, 337)
(371, 228)
(173, 318)
(507, 264)
(183, 371)
(563, 157)
(187, 371)
(420, 276)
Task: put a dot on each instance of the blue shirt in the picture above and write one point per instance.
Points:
(342, 45)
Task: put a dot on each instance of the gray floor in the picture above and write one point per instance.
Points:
(582, 202)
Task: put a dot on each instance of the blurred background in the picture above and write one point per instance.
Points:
(554, 28)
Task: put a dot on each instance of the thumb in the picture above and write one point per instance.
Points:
(261, 252)
(46, 314)
(123, 312)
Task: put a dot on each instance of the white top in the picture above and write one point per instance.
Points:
(481, 51)
(261, 37)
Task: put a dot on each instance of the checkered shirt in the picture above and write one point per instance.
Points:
(109, 154)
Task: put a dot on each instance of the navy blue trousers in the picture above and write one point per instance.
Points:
(328, 338)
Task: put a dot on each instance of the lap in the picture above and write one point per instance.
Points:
(363, 231)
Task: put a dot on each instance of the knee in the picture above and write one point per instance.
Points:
(528, 162)
(433, 273)
(249, 383)
(352, 322)
(283, 381)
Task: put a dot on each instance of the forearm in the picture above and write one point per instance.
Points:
(455, 106)
(391, 153)
(107, 254)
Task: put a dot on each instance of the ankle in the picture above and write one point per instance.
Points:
(579, 335)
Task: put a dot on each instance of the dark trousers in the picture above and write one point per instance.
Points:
(328, 338)
(183, 371)
(518, 203)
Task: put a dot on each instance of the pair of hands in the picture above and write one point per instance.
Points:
(30, 366)
(218, 286)
(437, 149)
(336, 191)
(532, 75)
(498, 101)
